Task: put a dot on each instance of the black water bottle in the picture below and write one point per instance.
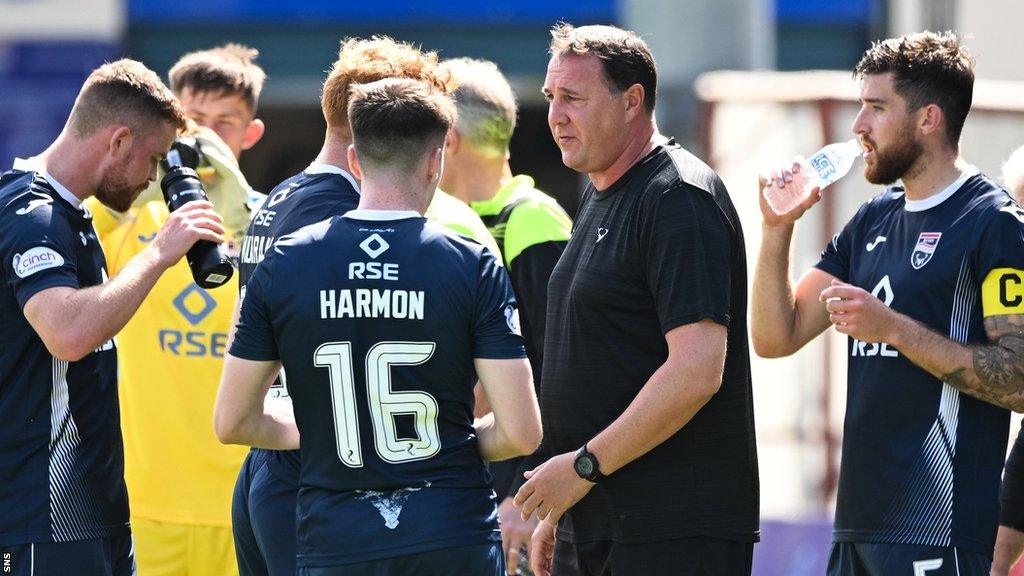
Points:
(210, 266)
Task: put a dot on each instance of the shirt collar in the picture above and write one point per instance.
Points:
(321, 168)
(34, 165)
(936, 199)
(381, 215)
(61, 190)
(503, 195)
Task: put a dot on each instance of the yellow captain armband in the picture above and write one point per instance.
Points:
(1002, 292)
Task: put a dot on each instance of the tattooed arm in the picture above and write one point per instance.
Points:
(992, 372)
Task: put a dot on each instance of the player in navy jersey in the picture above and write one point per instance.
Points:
(926, 280)
(263, 505)
(64, 502)
(382, 323)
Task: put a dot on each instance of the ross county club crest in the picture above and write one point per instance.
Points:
(926, 244)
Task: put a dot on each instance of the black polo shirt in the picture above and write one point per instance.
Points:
(660, 248)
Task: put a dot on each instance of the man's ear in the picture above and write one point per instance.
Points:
(452, 140)
(353, 163)
(253, 133)
(435, 164)
(634, 98)
(930, 118)
(119, 144)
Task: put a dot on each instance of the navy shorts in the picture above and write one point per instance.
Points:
(870, 559)
(99, 557)
(697, 556)
(476, 560)
(263, 519)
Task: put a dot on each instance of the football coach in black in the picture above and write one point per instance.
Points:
(646, 393)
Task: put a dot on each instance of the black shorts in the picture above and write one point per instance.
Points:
(99, 557)
(697, 556)
(263, 519)
(1011, 495)
(869, 559)
(476, 560)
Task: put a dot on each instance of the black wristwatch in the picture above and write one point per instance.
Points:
(586, 466)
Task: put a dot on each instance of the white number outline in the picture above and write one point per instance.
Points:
(922, 566)
(337, 358)
(383, 402)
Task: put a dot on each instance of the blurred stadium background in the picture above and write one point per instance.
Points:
(743, 83)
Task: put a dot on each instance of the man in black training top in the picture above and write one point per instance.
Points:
(646, 393)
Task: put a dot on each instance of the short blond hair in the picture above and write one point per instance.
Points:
(230, 69)
(1013, 174)
(486, 103)
(396, 121)
(363, 61)
(124, 92)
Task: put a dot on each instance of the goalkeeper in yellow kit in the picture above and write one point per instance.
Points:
(179, 477)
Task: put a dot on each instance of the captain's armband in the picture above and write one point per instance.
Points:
(1002, 292)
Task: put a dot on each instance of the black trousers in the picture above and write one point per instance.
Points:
(682, 557)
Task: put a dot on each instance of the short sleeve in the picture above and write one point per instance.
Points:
(37, 247)
(688, 250)
(496, 333)
(254, 337)
(835, 258)
(999, 261)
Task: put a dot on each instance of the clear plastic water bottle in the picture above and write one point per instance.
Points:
(823, 168)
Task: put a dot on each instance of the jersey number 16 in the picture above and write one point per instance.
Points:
(384, 403)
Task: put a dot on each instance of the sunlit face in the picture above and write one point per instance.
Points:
(587, 118)
(123, 181)
(887, 131)
(226, 114)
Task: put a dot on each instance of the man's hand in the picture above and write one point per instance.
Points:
(784, 179)
(552, 488)
(192, 222)
(854, 311)
(542, 548)
(515, 533)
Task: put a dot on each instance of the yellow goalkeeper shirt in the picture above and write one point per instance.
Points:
(171, 355)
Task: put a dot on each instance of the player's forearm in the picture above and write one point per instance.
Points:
(667, 402)
(270, 430)
(992, 372)
(1009, 546)
(513, 426)
(271, 426)
(493, 445)
(773, 312)
(494, 442)
(91, 316)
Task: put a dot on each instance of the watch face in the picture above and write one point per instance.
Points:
(584, 466)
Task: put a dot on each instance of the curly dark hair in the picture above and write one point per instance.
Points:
(927, 68)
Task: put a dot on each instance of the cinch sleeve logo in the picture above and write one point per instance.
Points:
(1002, 292)
(36, 259)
